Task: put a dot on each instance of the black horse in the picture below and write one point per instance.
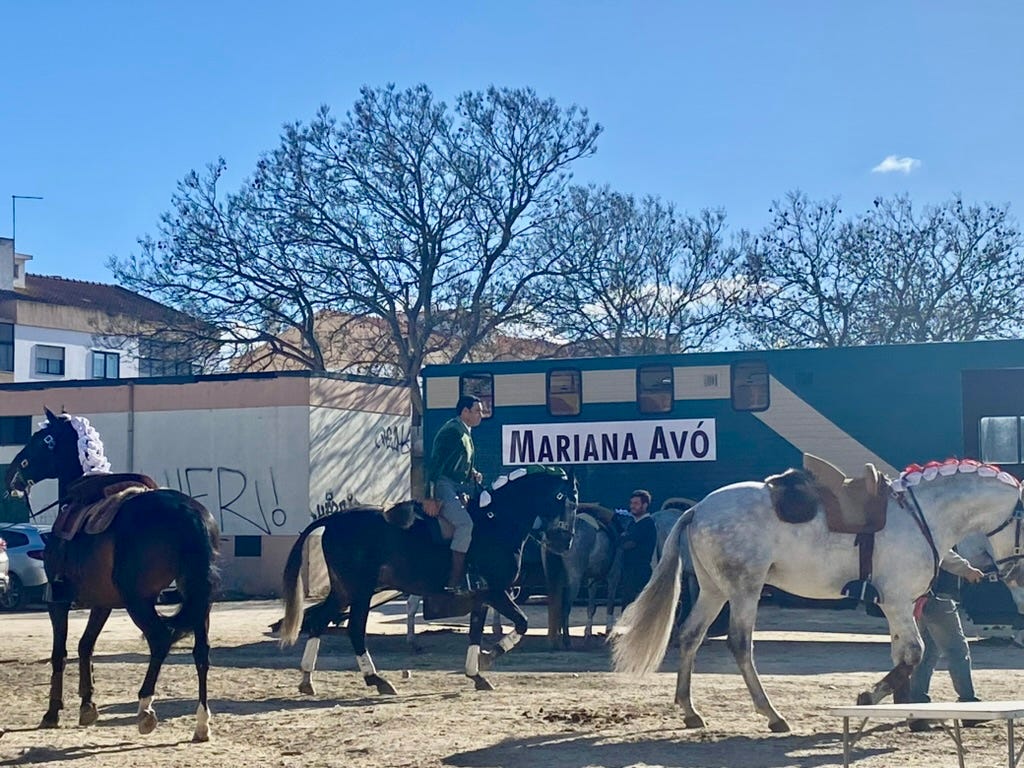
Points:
(369, 549)
(156, 537)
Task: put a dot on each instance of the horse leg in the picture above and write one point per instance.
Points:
(704, 611)
(316, 620)
(58, 659)
(907, 648)
(158, 637)
(359, 613)
(475, 658)
(588, 631)
(496, 629)
(504, 604)
(87, 713)
(741, 643)
(201, 656)
(412, 605)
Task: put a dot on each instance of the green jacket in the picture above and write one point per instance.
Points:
(452, 454)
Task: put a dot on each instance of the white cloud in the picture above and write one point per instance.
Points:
(894, 164)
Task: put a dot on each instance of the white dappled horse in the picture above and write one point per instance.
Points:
(738, 544)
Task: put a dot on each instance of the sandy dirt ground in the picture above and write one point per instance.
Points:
(563, 709)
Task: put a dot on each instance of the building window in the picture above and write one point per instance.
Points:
(999, 438)
(49, 360)
(106, 365)
(15, 430)
(6, 346)
(750, 386)
(480, 385)
(655, 388)
(161, 358)
(564, 393)
(248, 546)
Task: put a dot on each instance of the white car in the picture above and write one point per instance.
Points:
(25, 545)
(5, 581)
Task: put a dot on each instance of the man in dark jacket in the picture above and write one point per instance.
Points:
(638, 544)
(451, 473)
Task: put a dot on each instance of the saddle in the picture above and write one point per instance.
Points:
(852, 505)
(600, 519)
(93, 501)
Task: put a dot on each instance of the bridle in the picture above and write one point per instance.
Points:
(1017, 519)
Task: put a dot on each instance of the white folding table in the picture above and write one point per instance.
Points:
(938, 712)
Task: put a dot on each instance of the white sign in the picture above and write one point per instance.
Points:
(609, 442)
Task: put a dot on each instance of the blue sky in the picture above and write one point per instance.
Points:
(105, 105)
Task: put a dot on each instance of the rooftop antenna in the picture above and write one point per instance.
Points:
(14, 215)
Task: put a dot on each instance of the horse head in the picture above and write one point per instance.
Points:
(547, 494)
(64, 448)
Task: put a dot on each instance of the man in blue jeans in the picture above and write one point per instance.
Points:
(943, 635)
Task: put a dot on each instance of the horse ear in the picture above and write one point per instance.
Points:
(49, 415)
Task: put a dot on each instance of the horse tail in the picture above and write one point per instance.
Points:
(199, 576)
(291, 624)
(641, 635)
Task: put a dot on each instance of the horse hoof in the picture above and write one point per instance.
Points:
(147, 722)
(307, 688)
(386, 688)
(779, 726)
(694, 721)
(864, 699)
(88, 714)
(200, 738)
(481, 683)
(50, 720)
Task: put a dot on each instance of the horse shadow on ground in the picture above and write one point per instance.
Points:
(653, 748)
(51, 755)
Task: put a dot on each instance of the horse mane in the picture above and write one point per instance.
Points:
(532, 470)
(914, 474)
(90, 447)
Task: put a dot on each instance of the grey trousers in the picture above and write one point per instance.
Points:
(452, 510)
(943, 635)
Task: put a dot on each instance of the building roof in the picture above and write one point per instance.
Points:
(112, 299)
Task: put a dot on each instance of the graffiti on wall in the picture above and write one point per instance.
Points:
(393, 438)
(330, 505)
(233, 496)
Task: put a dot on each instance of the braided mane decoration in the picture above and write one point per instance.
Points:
(90, 447)
(515, 474)
(915, 473)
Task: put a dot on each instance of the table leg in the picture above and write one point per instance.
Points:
(846, 743)
(1009, 743)
(959, 742)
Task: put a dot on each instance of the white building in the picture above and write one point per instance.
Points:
(54, 329)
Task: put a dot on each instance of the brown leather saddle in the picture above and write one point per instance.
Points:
(852, 505)
(93, 501)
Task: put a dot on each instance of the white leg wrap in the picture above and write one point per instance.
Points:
(509, 641)
(308, 663)
(146, 704)
(366, 664)
(473, 661)
(203, 715)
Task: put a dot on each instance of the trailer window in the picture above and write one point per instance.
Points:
(999, 439)
(655, 388)
(750, 386)
(481, 385)
(564, 393)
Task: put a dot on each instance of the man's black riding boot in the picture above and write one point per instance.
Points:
(457, 577)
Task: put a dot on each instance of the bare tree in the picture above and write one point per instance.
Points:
(420, 218)
(953, 273)
(636, 279)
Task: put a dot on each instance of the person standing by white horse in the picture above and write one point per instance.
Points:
(739, 543)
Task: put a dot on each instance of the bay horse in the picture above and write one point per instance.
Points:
(156, 537)
(369, 549)
(738, 544)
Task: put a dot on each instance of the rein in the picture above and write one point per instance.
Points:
(918, 516)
